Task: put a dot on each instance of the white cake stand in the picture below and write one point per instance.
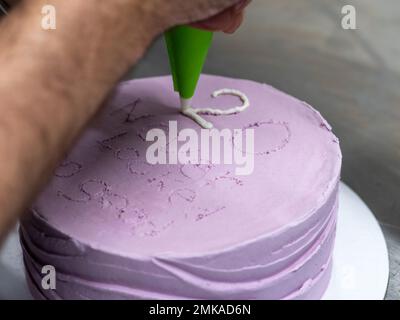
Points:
(360, 257)
(360, 264)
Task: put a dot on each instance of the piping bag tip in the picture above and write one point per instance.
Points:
(186, 103)
(187, 110)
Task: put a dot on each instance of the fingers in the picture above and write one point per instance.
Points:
(239, 7)
(227, 21)
(216, 23)
(235, 24)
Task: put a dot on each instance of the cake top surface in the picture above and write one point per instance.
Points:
(107, 195)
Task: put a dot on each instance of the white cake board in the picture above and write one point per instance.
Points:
(360, 260)
(360, 257)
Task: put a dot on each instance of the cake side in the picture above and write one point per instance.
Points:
(295, 271)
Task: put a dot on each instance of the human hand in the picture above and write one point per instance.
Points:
(227, 21)
(214, 15)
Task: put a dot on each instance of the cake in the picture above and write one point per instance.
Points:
(115, 226)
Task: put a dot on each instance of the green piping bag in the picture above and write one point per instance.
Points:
(187, 50)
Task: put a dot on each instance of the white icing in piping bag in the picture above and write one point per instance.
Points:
(194, 113)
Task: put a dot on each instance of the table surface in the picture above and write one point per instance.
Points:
(351, 76)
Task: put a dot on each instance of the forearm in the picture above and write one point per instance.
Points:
(52, 82)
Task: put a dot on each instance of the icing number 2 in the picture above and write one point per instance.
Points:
(194, 113)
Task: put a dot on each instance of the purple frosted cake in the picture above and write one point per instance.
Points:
(116, 226)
